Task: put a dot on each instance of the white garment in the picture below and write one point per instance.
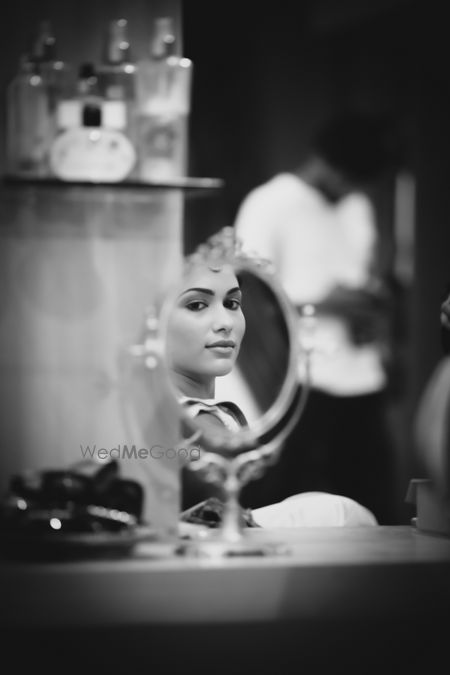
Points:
(233, 387)
(314, 509)
(315, 246)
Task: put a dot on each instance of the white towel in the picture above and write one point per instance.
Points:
(314, 509)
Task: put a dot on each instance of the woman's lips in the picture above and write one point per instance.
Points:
(223, 347)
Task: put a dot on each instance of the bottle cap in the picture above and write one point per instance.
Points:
(92, 115)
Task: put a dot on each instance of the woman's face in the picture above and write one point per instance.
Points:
(206, 325)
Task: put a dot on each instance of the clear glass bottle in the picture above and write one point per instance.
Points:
(56, 74)
(32, 101)
(28, 124)
(116, 75)
(116, 72)
(163, 86)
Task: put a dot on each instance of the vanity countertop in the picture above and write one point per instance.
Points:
(344, 572)
(344, 600)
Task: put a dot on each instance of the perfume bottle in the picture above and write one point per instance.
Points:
(84, 102)
(163, 86)
(32, 98)
(28, 123)
(92, 144)
(116, 72)
(57, 75)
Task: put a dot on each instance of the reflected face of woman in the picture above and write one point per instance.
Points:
(205, 328)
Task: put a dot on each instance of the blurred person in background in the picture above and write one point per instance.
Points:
(445, 323)
(432, 419)
(318, 226)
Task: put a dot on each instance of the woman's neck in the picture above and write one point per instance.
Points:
(194, 388)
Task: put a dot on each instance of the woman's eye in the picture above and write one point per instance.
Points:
(196, 305)
(233, 304)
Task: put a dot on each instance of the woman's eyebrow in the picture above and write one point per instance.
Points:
(208, 291)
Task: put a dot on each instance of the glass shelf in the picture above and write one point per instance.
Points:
(184, 183)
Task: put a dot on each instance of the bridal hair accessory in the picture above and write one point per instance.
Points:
(222, 248)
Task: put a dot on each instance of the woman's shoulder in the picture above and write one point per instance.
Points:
(227, 413)
(234, 410)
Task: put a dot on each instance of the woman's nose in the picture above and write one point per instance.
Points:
(222, 320)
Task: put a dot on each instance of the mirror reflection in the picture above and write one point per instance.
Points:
(205, 329)
(229, 347)
(228, 340)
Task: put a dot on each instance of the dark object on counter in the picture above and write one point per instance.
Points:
(210, 513)
(86, 497)
(83, 508)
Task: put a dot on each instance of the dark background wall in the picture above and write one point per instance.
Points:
(264, 76)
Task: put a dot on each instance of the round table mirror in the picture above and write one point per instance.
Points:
(232, 353)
